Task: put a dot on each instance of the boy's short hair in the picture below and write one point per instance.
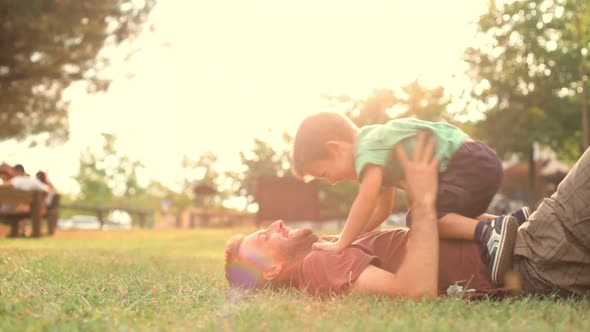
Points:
(312, 135)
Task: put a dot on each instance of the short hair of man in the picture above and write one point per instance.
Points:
(313, 134)
(41, 176)
(18, 168)
(238, 272)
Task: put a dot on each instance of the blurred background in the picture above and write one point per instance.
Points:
(180, 114)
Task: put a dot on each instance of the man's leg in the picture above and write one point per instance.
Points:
(553, 248)
(573, 198)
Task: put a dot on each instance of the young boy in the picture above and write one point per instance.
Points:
(330, 146)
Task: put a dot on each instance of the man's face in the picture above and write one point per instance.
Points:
(276, 244)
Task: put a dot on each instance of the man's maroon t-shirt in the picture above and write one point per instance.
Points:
(325, 273)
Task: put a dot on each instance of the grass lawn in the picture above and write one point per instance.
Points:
(173, 280)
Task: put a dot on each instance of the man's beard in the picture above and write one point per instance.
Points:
(300, 244)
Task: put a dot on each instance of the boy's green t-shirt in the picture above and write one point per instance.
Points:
(375, 145)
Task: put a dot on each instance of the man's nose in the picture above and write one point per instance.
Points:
(275, 225)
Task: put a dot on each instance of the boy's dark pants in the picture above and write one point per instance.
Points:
(472, 178)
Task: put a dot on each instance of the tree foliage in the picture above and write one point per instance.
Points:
(526, 76)
(106, 176)
(382, 105)
(262, 160)
(49, 44)
(203, 172)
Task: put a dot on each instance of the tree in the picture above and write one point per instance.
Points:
(382, 105)
(105, 176)
(581, 14)
(376, 108)
(525, 77)
(202, 172)
(424, 103)
(49, 44)
(262, 160)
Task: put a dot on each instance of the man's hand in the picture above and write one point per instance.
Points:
(417, 276)
(421, 173)
(335, 247)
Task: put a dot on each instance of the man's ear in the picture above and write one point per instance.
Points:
(272, 271)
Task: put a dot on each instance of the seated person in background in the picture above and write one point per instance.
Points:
(42, 177)
(22, 180)
(6, 174)
(17, 178)
(19, 170)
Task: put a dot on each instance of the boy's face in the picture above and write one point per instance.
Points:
(337, 167)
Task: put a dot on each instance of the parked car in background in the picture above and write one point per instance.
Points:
(111, 225)
(88, 222)
(118, 219)
(84, 222)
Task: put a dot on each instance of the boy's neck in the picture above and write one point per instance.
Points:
(352, 147)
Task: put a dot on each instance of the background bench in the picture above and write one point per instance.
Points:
(10, 198)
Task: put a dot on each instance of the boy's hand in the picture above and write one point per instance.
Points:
(335, 247)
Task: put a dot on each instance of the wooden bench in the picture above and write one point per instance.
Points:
(10, 198)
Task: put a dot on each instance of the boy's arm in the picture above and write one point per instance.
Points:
(382, 210)
(362, 208)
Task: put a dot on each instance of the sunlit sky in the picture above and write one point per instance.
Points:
(215, 74)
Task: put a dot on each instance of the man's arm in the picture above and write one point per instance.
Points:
(417, 276)
(361, 210)
(382, 210)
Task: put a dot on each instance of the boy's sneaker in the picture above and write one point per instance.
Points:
(499, 240)
(521, 215)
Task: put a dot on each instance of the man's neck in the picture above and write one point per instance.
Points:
(290, 277)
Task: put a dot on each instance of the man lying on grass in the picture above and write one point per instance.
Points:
(552, 251)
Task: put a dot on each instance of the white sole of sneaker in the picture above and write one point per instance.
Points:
(527, 213)
(503, 263)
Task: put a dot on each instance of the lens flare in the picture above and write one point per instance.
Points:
(246, 273)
